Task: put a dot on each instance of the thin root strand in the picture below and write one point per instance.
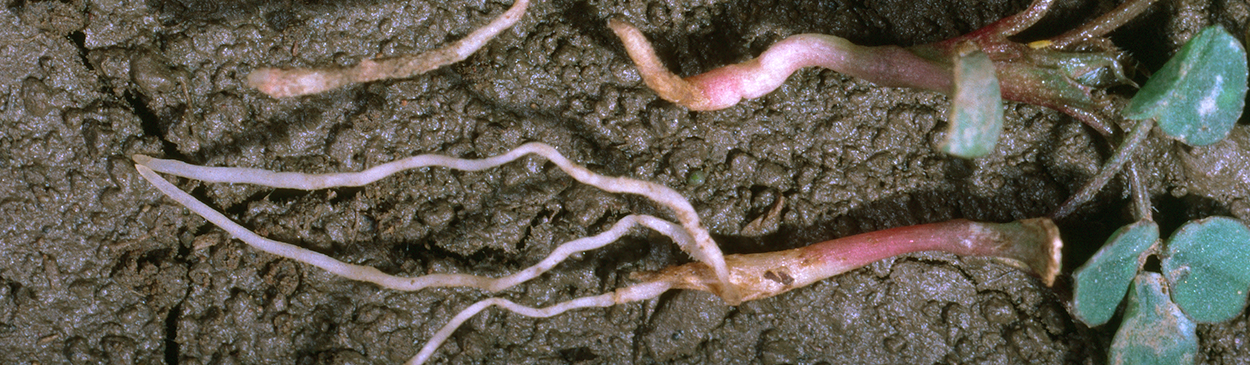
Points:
(633, 293)
(690, 235)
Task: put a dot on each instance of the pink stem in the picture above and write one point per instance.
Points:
(886, 66)
(723, 87)
(1032, 244)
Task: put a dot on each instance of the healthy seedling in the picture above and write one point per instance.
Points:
(1031, 244)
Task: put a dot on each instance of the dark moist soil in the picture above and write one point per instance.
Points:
(98, 267)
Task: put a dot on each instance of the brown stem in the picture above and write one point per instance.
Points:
(1113, 165)
(1104, 24)
(1017, 23)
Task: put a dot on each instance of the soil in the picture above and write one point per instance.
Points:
(96, 266)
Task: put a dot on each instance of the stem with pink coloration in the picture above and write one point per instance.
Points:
(1039, 73)
(1031, 244)
(726, 86)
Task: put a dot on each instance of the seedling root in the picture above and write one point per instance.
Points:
(281, 83)
(1032, 245)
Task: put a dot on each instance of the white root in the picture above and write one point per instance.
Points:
(685, 235)
(691, 236)
(633, 293)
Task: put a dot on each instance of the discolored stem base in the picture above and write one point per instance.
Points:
(1031, 244)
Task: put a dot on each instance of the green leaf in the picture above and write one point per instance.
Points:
(1103, 280)
(1154, 330)
(1207, 264)
(976, 107)
(1198, 94)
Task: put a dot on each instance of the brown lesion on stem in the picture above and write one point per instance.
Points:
(667, 85)
(779, 276)
(1032, 245)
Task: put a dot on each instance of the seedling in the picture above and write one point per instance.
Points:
(1040, 73)
(1031, 244)
(1204, 279)
(1196, 97)
(973, 68)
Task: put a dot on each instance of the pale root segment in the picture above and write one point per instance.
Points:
(726, 86)
(690, 235)
(628, 294)
(281, 83)
(372, 275)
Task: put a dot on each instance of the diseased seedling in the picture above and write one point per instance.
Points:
(1040, 73)
(1196, 98)
(977, 70)
(1207, 77)
(1031, 244)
